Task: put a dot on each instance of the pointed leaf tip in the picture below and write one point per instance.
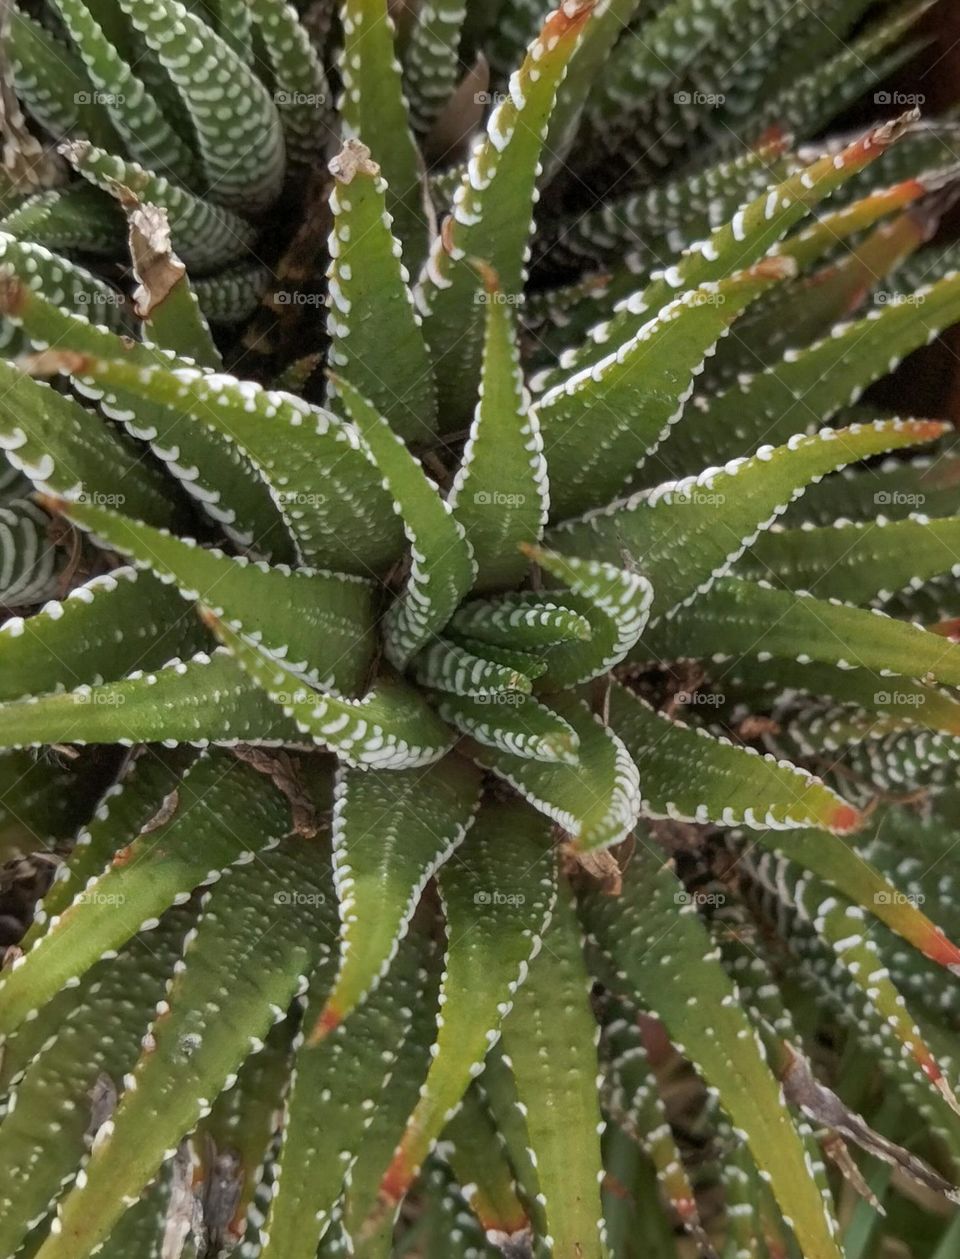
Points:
(352, 160)
(846, 819)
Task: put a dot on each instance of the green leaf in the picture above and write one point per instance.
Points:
(550, 1040)
(524, 619)
(236, 1139)
(664, 955)
(235, 120)
(500, 494)
(497, 896)
(373, 110)
(688, 775)
(236, 981)
(320, 623)
(490, 219)
(809, 385)
(799, 313)
(51, 1108)
(431, 66)
(450, 667)
(758, 681)
(841, 927)
(147, 135)
(205, 235)
(376, 340)
(102, 630)
(387, 1125)
(631, 1096)
(513, 723)
(51, 80)
(302, 94)
(391, 833)
(472, 1147)
(740, 243)
(75, 217)
(208, 464)
(31, 558)
(586, 66)
(145, 787)
(38, 805)
(207, 698)
(441, 567)
(860, 882)
(335, 1088)
(233, 295)
(327, 492)
(738, 617)
(392, 727)
(225, 814)
(862, 562)
(615, 601)
(596, 800)
(601, 423)
(64, 449)
(686, 533)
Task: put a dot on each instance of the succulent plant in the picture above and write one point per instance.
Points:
(478, 697)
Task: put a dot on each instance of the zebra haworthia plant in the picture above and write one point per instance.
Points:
(494, 746)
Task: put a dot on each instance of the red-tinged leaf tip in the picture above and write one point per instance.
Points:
(328, 1020)
(776, 267)
(567, 20)
(487, 274)
(12, 294)
(52, 503)
(940, 948)
(397, 1179)
(209, 618)
(873, 142)
(55, 363)
(926, 430)
(845, 818)
(773, 141)
(947, 629)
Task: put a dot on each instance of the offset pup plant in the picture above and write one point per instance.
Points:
(495, 750)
